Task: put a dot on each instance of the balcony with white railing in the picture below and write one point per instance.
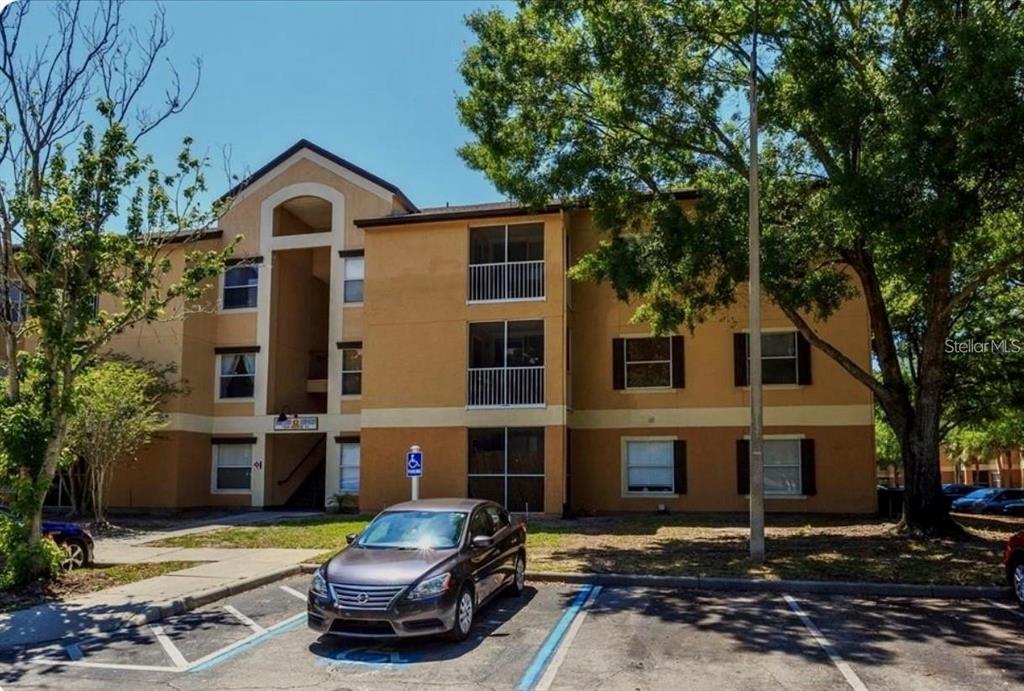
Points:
(505, 281)
(506, 387)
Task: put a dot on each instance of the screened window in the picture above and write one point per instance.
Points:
(233, 467)
(351, 371)
(506, 465)
(237, 374)
(241, 284)
(778, 358)
(649, 467)
(350, 456)
(354, 268)
(782, 467)
(648, 362)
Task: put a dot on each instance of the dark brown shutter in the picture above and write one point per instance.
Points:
(678, 363)
(742, 466)
(679, 465)
(807, 479)
(739, 358)
(803, 359)
(618, 364)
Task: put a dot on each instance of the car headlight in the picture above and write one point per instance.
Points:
(319, 584)
(432, 587)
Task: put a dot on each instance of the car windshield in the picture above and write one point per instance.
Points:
(981, 493)
(414, 530)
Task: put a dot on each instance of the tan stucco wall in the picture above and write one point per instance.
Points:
(844, 470)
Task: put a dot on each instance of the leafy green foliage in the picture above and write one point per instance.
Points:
(892, 167)
(20, 559)
(116, 412)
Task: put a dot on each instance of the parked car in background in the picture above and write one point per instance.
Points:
(955, 490)
(77, 541)
(988, 500)
(419, 568)
(1014, 508)
(1013, 562)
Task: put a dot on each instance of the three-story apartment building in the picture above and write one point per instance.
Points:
(352, 324)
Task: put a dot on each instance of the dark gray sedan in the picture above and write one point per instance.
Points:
(419, 568)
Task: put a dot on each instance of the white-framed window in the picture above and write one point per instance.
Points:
(649, 465)
(240, 287)
(354, 272)
(236, 376)
(348, 482)
(232, 468)
(351, 371)
(782, 467)
(778, 357)
(648, 362)
(506, 465)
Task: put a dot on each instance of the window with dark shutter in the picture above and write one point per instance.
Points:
(678, 363)
(679, 465)
(803, 360)
(618, 364)
(742, 466)
(808, 483)
(739, 359)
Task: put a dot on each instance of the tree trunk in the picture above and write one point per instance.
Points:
(46, 474)
(925, 508)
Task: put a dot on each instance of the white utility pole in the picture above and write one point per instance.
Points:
(754, 349)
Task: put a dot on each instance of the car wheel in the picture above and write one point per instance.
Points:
(74, 555)
(464, 610)
(518, 584)
(1017, 577)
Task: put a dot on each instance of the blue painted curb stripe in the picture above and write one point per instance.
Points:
(288, 625)
(551, 643)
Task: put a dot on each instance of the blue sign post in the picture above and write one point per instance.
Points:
(414, 469)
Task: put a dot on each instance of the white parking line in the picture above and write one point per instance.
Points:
(293, 591)
(851, 677)
(1008, 608)
(172, 651)
(74, 652)
(563, 649)
(244, 619)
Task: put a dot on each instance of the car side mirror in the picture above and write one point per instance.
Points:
(351, 537)
(481, 542)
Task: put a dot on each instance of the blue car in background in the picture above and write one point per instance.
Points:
(76, 541)
(988, 500)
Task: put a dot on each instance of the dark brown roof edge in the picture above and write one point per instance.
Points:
(333, 158)
(194, 236)
(496, 212)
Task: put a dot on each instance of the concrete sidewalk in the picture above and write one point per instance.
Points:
(228, 571)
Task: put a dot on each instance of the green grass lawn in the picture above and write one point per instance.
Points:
(799, 547)
(87, 580)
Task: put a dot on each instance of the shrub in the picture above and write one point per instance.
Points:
(17, 557)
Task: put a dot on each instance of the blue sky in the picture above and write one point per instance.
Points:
(374, 82)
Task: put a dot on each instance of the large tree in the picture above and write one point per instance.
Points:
(892, 165)
(71, 174)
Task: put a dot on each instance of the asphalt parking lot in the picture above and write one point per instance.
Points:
(559, 637)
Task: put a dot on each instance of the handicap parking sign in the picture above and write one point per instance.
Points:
(414, 464)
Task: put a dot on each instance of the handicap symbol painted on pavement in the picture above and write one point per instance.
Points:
(373, 657)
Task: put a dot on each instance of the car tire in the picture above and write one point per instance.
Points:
(1017, 580)
(518, 584)
(76, 555)
(465, 610)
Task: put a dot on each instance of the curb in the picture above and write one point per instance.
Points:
(161, 610)
(947, 592)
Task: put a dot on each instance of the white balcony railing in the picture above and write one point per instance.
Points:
(506, 387)
(506, 281)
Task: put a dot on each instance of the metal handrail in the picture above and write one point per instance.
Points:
(309, 454)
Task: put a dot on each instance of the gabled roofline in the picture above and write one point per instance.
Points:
(333, 158)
